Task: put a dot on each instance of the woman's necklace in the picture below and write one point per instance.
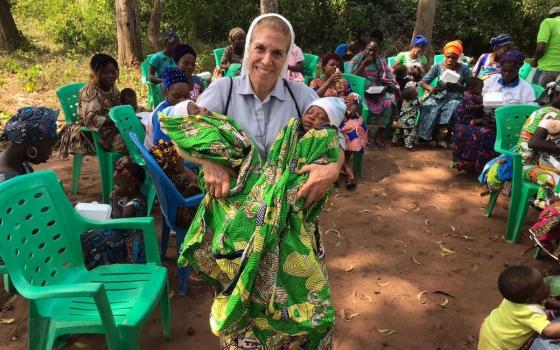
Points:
(262, 134)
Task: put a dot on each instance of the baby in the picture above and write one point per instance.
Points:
(405, 123)
(521, 312)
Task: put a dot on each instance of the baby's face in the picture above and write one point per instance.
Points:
(194, 109)
(315, 117)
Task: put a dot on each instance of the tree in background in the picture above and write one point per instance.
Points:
(128, 34)
(425, 15)
(155, 24)
(269, 6)
(10, 37)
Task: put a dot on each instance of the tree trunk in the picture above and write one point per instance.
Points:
(154, 25)
(269, 6)
(10, 37)
(128, 34)
(425, 15)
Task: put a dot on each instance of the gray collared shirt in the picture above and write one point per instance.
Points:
(261, 120)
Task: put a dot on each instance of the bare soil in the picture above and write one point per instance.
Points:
(413, 225)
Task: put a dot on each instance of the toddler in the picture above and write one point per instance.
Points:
(521, 312)
(128, 97)
(405, 123)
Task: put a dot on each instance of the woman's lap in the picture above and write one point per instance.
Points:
(436, 112)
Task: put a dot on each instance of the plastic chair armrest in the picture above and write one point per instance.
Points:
(146, 225)
(193, 201)
(63, 291)
(506, 152)
(190, 165)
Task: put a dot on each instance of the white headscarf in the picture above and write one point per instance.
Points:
(333, 106)
(245, 64)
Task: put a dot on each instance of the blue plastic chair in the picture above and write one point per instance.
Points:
(169, 200)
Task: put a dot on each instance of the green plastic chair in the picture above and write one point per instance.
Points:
(68, 97)
(40, 244)
(310, 67)
(538, 90)
(391, 61)
(438, 59)
(233, 70)
(218, 53)
(155, 95)
(126, 121)
(346, 67)
(524, 71)
(509, 123)
(358, 85)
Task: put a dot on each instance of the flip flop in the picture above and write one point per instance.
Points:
(351, 186)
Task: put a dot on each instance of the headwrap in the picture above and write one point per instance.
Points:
(333, 106)
(245, 64)
(169, 36)
(31, 124)
(235, 32)
(501, 40)
(514, 57)
(419, 40)
(173, 75)
(165, 154)
(454, 47)
(182, 50)
(553, 11)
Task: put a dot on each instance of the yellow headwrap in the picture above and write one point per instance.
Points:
(235, 32)
(454, 47)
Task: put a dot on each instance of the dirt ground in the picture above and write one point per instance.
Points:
(413, 225)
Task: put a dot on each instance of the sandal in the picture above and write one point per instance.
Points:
(351, 186)
(380, 144)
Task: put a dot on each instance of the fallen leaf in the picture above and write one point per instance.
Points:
(349, 268)
(446, 250)
(403, 210)
(421, 294)
(412, 205)
(454, 184)
(384, 284)
(7, 320)
(385, 194)
(385, 331)
(354, 297)
(336, 232)
(390, 208)
(379, 218)
(171, 294)
(443, 255)
(445, 302)
(366, 297)
(415, 261)
(433, 206)
(351, 316)
(378, 207)
(475, 267)
(365, 211)
(452, 228)
(416, 210)
(327, 210)
(80, 345)
(427, 222)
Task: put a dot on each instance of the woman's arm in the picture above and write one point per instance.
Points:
(320, 178)
(152, 75)
(325, 86)
(538, 142)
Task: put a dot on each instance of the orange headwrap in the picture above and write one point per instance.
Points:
(454, 47)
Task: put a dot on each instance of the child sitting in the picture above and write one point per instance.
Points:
(405, 124)
(521, 312)
(120, 245)
(128, 97)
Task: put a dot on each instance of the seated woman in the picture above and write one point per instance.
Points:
(185, 58)
(383, 105)
(362, 37)
(489, 63)
(95, 101)
(475, 133)
(295, 64)
(414, 58)
(234, 52)
(163, 59)
(353, 127)
(437, 111)
(32, 135)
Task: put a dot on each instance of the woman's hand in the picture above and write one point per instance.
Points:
(217, 178)
(320, 178)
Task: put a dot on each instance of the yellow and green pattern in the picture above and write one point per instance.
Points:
(258, 248)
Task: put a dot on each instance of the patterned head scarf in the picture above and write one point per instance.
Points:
(419, 40)
(501, 40)
(454, 47)
(182, 50)
(333, 106)
(169, 36)
(245, 63)
(31, 124)
(173, 75)
(235, 32)
(514, 57)
(165, 154)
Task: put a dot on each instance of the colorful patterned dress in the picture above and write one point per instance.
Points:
(439, 109)
(353, 126)
(259, 249)
(473, 145)
(378, 73)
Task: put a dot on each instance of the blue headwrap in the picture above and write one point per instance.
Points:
(181, 51)
(173, 75)
(169, 36)
(500, 40)
(31, 124)
(419, 40)
(514, 57)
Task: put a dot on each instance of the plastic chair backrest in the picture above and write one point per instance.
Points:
(233, 70)
(357, 83)
(391, 61)
(509, 122)
(538, 90)
(168, 196)
(346, 67)
(218, 53)
(524, 71)
(126, 121)
(310, 65)
(341, 49)
(68, 96)
(438, 59)
(39, 231)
